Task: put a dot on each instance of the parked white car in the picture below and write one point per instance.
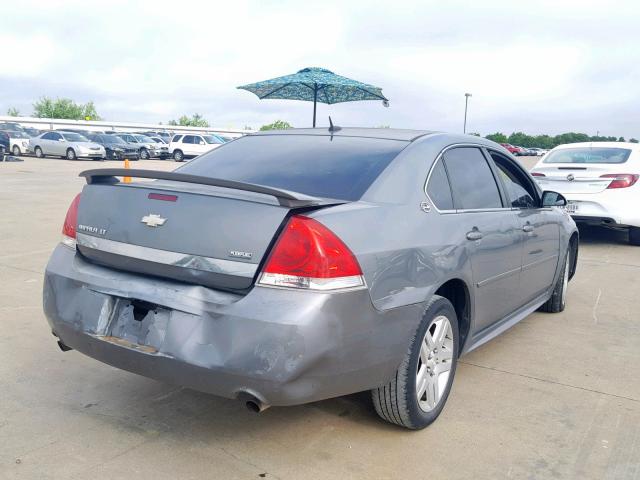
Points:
(539, 151)
(188, 146)
(66, 144)
(599, 181)
(18, 142)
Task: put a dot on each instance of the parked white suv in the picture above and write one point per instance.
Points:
(599, 181)
(188, 146)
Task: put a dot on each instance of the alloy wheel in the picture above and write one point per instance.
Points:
(434, 363)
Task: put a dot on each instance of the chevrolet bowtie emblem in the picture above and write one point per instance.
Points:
(153, 220)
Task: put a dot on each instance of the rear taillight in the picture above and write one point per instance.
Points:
(537, 174)
(70, 224)
(308, 255)
(621, 180)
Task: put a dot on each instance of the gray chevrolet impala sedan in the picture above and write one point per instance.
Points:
(293, 266)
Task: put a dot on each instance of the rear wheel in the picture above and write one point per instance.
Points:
(16, 150)
(178, 156)
(38, 152)
(417, 394)
(71, 154)
(634, 236)
(558, 299)
(144, 154)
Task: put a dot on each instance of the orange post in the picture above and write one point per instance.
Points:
(127, 166)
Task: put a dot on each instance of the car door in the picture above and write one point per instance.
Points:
(54, 144)
(540, 228)
(492, 234)
(188, 145)
(200, 146)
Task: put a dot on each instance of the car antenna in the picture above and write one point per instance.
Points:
(332, 127)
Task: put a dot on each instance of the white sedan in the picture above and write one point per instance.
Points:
(599, 181)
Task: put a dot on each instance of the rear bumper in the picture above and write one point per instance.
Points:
(609, 207)
(284, 347)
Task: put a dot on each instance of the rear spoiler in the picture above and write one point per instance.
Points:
(284, 197)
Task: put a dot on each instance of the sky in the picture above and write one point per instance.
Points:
(534, 66)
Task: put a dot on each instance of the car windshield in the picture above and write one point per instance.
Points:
(212, 139)
(74, 137)
(143, 138)
(588, 155)
(322, 166)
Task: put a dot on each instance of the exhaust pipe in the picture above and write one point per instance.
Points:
(253, 403)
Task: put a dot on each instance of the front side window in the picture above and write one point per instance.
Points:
(519, 189)
(472, 181)
(48, 136)
(438, 188)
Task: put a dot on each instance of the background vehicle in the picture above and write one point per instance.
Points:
(146, 146)
(166, 136)
(313, 304)
(11, 126)
(115, 148)
(5, 141)
(69, 145)
(512, 149)
(19, 142)
(599, 180)
(162, 147)
(538, 151)
(32, 132)
(188, 146)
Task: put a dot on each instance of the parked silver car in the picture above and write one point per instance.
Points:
(288, 267)
(69, 145)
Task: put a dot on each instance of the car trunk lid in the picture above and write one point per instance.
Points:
(571, 178)
(192, 229)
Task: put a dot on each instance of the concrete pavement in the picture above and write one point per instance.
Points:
(557, 396)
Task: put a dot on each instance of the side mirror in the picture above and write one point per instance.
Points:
(553, 199)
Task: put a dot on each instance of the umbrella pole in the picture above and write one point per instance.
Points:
(315, 100)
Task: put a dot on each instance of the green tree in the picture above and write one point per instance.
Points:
(195, 121)
(497, 137)
(633, 140)
(64, 108)
(277, 125)
(621, 139)
(13, 112)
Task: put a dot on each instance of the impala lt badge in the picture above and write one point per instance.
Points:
(153, 220)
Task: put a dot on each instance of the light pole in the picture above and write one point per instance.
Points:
(466, 104)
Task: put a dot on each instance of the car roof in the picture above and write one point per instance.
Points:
(630, 145)
(381, 133)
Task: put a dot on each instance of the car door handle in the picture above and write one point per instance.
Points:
(474, 234)
(527, 228)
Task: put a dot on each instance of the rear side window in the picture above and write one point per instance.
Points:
(321, 166)
(176, 138)
(472, 181)
(188, 139)
(588, 155)
(438, 188)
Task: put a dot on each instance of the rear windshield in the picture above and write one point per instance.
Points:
(588, 155)
(320, 166)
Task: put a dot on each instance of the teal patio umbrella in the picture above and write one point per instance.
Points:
(316, 85)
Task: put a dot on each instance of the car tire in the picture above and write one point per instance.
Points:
(16, 151)
(71, 154)
(397, 402)
(178, 156)
(558, 298)
(38, 152)
(634, 236)
(144, 154)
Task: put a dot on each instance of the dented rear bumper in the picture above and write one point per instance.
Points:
(283, 347)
